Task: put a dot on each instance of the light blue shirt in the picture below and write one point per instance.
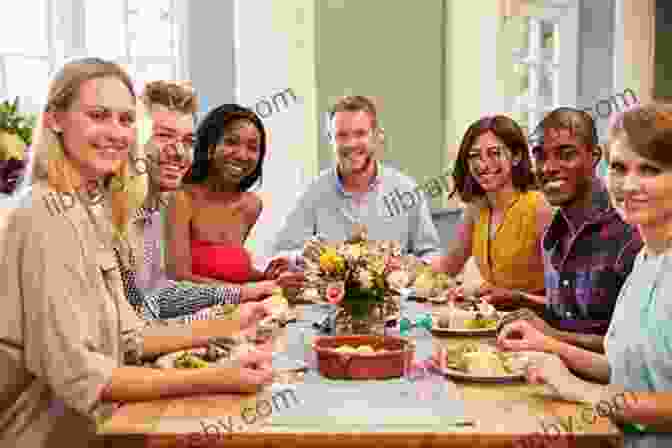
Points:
(392, 210)
(639, 340)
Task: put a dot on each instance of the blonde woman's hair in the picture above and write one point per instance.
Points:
(48, 158)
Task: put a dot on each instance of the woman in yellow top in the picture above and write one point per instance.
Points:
(504, 218)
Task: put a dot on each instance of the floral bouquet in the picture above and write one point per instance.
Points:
(357, 275)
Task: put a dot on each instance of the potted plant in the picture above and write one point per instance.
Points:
(355, 275)
(16, 131)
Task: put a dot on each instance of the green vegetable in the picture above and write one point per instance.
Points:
(189, 361)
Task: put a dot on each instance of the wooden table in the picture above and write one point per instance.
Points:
(506, 415)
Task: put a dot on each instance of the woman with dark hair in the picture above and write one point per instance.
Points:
(504, 218)
(211, 218)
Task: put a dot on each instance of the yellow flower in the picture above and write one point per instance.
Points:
(330, 262)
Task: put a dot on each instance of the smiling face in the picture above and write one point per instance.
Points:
(353, 141)
(238, 153)
(490, 163)
(172, 141)
(641, 187)
(98, 128)
(565, 167)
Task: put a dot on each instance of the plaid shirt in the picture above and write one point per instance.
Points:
(168, 299)
(584, 270)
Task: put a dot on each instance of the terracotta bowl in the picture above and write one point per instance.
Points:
(363, 366)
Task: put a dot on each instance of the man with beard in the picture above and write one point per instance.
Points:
(588, 249)
(171, 106)
(351, 194)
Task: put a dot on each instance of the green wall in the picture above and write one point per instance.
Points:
(393, 51)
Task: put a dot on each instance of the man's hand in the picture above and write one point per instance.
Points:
(521, 336)
(250, 313)
(497, 296)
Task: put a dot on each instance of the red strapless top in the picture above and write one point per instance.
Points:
(220, 261)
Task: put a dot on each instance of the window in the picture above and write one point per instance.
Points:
(25, 57)
(142, 35)
(547, 64)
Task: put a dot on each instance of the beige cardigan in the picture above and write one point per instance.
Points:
(61, 324)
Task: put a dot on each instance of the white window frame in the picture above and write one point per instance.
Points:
(54, 54)
(177, 59)
(564, 15)
(66, 38)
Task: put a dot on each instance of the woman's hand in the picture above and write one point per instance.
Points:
(276, 267)
(258, 290)
(549, 370)
(256, 359)
(290, 280)
(521, 336)
(255, 371)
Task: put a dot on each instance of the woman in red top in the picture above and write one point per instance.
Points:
(211, 218)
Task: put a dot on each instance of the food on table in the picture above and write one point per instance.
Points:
(430, 284)
(399, 279)
(311, 294)
(479, 359)
(484, 317)
(190, 361)
(361, 349)
(480, 323)
(278, 300)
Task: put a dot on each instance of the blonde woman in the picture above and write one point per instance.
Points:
(66, 327)
(638, 345)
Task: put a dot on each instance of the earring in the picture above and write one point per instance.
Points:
(57, 130)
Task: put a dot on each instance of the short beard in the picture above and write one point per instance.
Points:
(345, 164)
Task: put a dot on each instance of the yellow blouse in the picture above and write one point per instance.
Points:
(512, 258)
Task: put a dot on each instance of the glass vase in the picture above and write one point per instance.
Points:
(369, 323)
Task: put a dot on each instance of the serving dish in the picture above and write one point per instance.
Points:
(389, 357)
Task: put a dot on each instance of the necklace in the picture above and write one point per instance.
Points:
(490, 236)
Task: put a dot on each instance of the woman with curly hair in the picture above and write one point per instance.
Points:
(211, 218)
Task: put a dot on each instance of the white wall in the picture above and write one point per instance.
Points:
(274, 48)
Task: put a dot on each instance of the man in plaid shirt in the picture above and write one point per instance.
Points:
(588, 249)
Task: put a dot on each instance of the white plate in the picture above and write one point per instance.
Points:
(464, 331)
(519, 361)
